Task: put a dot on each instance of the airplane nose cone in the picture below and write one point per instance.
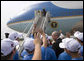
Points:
(12, 20)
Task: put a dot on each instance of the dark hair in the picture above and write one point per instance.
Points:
(44, 9)
(30, 51)
(6, 35)
(81, 41)
(6, 57)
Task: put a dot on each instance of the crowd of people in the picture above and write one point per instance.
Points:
(39, 46)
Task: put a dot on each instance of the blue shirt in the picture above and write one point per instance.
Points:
(16, 56)
(48, 54)
(31, 36)
(80, 58)
(24, 52)
(64, 56)
(28, 57)
(81, 51)
(50, 46)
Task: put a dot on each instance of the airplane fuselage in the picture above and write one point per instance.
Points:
(61, 18)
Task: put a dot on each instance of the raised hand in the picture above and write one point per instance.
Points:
(37, 38)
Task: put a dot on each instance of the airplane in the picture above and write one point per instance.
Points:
(64, 17)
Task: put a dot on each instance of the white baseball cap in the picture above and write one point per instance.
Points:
(7, 46)
(79, 35)
(28, 44)
(72, 45)
(20, 35)
(16, 42)
(50, 37)
(45, 35)
(15, 35)
(63, 43)
(76, 33)
(61, 36)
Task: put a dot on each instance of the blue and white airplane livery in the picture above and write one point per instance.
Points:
(64, 16)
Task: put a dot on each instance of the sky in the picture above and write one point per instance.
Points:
(10, 9)
(69, 4)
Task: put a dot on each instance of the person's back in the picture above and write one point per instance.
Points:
(16, 56)
(64, 56)
(28, 57)
(81, 51)
(56, 47)
(8, 49)
(48, 54)
(79, 58)
(24, 52)
(29, 47)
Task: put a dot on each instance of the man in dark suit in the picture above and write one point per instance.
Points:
(57, 40)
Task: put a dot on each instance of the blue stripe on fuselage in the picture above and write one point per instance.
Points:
(55, 11)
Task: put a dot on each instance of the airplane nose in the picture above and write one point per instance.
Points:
(18, 25)
(11, 21)
(28, 15)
